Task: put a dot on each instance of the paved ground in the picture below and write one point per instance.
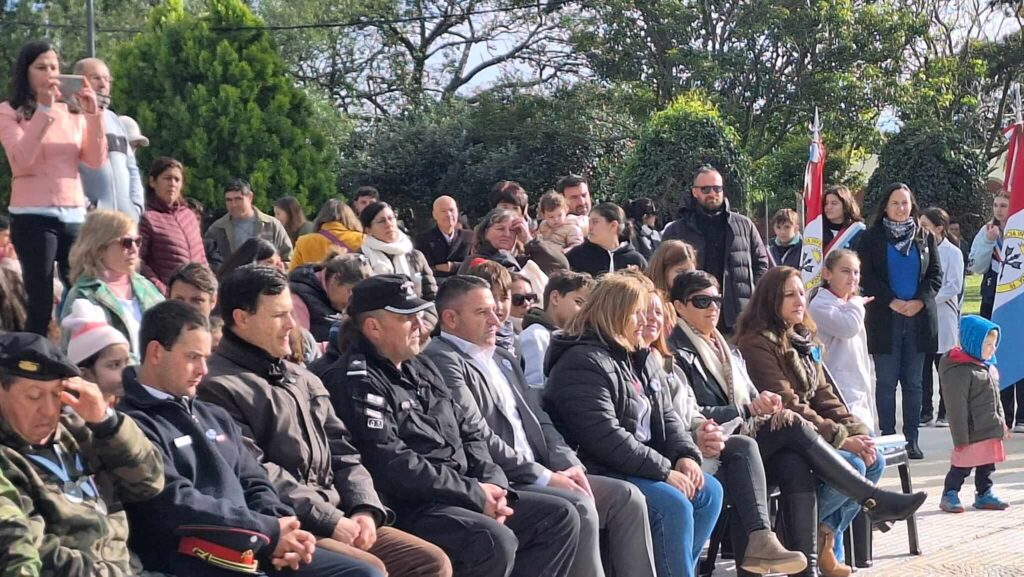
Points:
(975, 543)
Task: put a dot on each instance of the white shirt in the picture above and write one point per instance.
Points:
(158, 393)
(502, 389)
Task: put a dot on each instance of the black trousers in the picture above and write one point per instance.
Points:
(982, 478)
(741, 473)
(538, 540)
(928, 388)
(41, 240)
(1011, 396)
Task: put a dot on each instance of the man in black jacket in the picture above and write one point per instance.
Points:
(727, 243)
(488, 384)
(211, 478)
(445, 245)
(285, 414)
(431, 463)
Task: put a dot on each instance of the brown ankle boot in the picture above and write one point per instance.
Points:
(828, 565)
(765, 554)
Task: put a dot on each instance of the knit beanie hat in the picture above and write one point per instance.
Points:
(973, 330)
(90, 331)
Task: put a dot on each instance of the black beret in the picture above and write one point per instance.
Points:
(32, 356)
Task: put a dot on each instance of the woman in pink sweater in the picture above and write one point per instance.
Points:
(44, 141)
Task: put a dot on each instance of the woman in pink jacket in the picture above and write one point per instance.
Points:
(45, 140)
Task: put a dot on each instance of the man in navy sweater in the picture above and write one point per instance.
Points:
(218, 508)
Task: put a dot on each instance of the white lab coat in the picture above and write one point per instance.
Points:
(947, 300)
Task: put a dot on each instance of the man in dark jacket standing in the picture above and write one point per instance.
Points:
(431, 462)
(216, 492)
(727, 243)
(445, 245)
(285, 413)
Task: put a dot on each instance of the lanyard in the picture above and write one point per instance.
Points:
(75, 491)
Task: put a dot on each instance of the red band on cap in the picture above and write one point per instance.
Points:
(88, 327)
(244, 561)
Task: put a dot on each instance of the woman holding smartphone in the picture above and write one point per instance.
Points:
(44, 141)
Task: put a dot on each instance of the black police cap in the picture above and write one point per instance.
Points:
(31, 356)
(394, 293)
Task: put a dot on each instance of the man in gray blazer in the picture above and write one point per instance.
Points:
(490, 386)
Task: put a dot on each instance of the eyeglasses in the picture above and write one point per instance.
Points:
(522, 299)
(704, 301)
(709, 189)
(127, 242)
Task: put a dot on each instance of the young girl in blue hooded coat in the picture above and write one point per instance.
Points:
(970, 385)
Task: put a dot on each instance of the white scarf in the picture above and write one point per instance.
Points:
(389, 257)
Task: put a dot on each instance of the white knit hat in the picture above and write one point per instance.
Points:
(90, 331)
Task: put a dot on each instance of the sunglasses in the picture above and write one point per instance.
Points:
(127, 242)
(704, 301)
(520, 300)
(709, 189)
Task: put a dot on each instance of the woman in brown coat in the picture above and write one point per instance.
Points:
(777, 339)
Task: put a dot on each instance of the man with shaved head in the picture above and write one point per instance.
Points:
(446, 244)
(116, 185)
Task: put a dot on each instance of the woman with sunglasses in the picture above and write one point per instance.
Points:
(103, 264)
(524, 298)
(601, 396)
(169, 228)
(794, 453)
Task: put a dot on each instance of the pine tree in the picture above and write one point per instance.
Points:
(211, 90)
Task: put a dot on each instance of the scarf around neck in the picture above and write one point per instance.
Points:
(389, 257)
(900, 234)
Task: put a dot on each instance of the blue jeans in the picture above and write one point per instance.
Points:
(837, 511)
(903, 365)
(680, 527)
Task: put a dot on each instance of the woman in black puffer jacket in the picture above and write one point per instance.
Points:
(622, 424)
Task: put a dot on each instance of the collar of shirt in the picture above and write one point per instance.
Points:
(481, 354)
(158, 393)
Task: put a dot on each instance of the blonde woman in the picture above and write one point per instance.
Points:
(104, 260)
(336, 228)
(622, 423)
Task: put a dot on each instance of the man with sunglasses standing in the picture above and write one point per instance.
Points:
(727, 243)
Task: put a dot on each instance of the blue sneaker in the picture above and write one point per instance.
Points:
(950, 502)
(990, 502)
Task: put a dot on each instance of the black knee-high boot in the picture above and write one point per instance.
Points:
(833, 469)
(798, 527)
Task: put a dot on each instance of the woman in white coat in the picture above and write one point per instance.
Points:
(838, 311)
(947, 302)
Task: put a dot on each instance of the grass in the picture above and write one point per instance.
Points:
(972, 295)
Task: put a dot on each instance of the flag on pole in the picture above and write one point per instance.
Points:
(1008, 311)
(814, 185)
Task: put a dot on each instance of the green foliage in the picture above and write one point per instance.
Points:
(221, 102)
(779, 177)
(674, 144)
(940, 165)
(462, 150)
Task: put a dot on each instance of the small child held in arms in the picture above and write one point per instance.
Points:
(970, 385)
(557, 225)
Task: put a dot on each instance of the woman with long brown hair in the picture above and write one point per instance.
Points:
(842, 222)
(288, 212)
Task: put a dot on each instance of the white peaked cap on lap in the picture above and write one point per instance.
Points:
(90, 331)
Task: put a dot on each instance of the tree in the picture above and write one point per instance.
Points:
(378, 57)
(211, 90)
(461, 149)
(938, 163)
(766, 64)
(674, 144)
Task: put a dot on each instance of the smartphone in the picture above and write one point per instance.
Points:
(70, 85)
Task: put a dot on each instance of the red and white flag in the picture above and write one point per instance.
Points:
(1008, 311)
(814, 188)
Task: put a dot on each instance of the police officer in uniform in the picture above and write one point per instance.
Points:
(72, 459)
(428, 462)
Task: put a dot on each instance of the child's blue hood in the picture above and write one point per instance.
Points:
(973, 330)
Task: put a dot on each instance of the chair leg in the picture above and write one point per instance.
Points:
(862, 537)
(850, 546)
(721, 531)
(915, 548)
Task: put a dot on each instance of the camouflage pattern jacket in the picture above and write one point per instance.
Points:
(78, 522)
(18, 555)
